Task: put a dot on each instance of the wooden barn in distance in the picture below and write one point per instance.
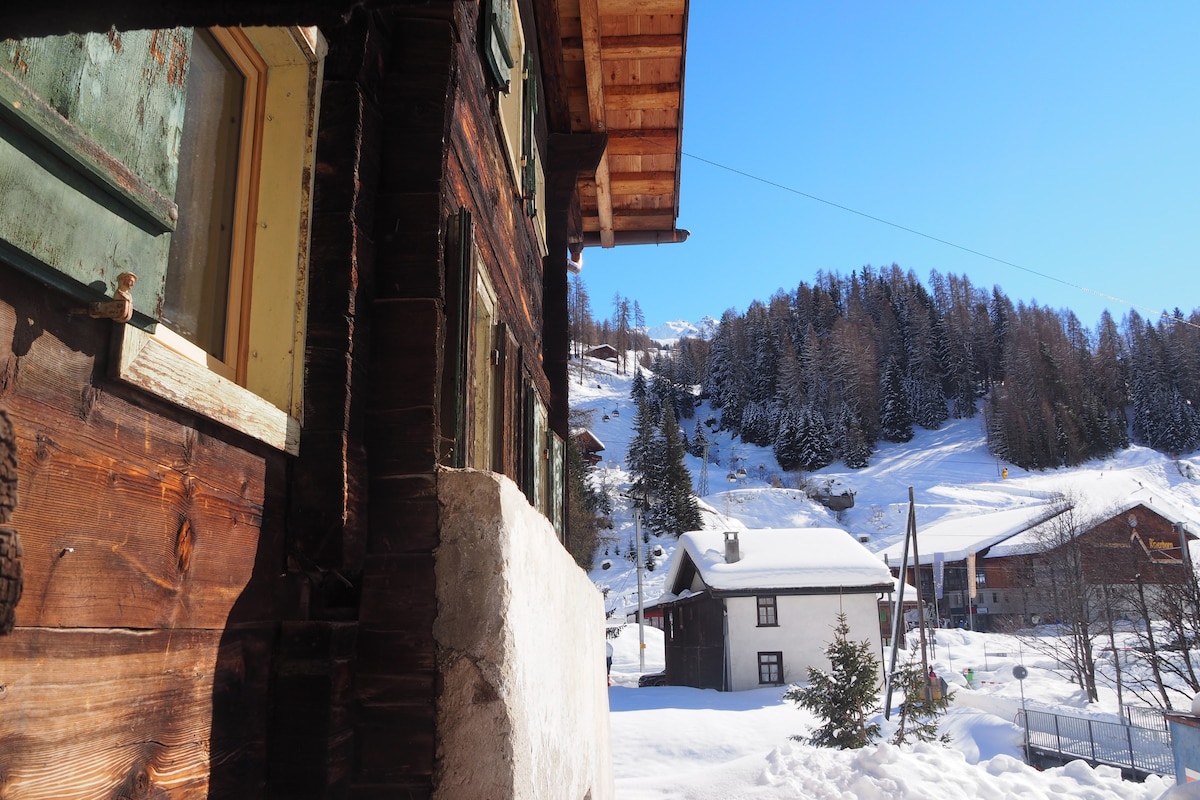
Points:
(283, 499)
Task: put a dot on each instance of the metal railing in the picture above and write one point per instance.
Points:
(1146, 717)
(1143, 750)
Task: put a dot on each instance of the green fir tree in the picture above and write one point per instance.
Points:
(922, 704)
(846, 697)
(675, 510)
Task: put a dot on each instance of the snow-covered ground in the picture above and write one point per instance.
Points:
(682, 743)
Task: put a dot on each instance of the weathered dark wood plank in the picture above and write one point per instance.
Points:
(132, 520)
(120, 713)
(348, 152)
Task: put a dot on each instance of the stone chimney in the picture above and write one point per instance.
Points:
(733, 553)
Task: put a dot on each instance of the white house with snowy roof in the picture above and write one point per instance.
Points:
(749, 608)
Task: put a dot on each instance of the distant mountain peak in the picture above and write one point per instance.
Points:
(677, 329)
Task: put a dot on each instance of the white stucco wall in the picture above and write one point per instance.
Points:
(523, 711)
(806, 625)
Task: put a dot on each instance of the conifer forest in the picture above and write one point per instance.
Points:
(825, 372)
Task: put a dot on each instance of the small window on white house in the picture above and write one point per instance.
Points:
(767, 611)
(770, 668)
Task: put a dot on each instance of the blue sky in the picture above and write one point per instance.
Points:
(1062, 137)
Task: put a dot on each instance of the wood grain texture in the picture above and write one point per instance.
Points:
(129, 516)
(623, 66)
(107, 713)
(129, 527)
(147, 363)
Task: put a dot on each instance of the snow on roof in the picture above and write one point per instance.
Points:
(781, 558)
(956, 536)
(587, 440)
(1089, 512)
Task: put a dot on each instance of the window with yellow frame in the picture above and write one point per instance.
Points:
(230, 344)
(216, 194)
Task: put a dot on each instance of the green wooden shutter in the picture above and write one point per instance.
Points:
(497, 40)
(89, 139)
(530, 446)
(459, 279)
(528, 137)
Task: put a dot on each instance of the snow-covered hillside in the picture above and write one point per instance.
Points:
(676, 742)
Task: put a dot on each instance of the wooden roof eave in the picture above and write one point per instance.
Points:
(608, 35)
(687, 10)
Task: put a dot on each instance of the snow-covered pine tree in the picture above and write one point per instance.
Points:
(919, 708)
(699, 441)
(637, 390)
(895, 421)
(856, 450)
(787, 442)
(645, 450)
(725, 378)
(816, 446)
(676, 510)
(928, 402)
(756, 424)
(846, 697)
(763, 347)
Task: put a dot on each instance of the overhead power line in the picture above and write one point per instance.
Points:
(815, 198)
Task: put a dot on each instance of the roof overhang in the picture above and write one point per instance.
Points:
(623, 69)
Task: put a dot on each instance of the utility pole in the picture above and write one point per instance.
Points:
(912, 531)
(897, 616)
(641, 614)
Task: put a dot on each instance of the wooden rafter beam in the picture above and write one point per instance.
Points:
(589, 19)
(629, 48)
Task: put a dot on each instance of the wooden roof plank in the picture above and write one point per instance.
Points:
(661, 141)
(663, 221)
(630, 48)
(637, 8)
(642, 96)
(623, 61)
(642, 183)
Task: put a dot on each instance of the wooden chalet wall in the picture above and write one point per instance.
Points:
(153, 542)
(208, 616)
(1108, 554)
(408, 139)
